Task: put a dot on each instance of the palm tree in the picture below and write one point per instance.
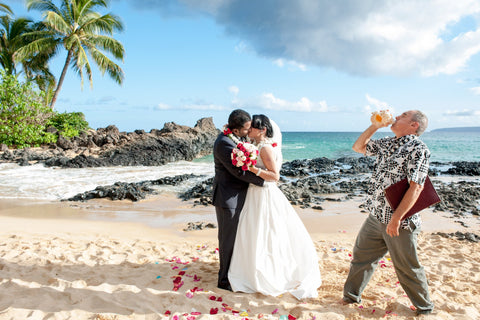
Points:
(11, 31)
(12, 38)
(79, 29)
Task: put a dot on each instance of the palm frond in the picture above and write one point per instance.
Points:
(86, 6)
(107, 65)
(56, 22)
(42, 5)
(80, 62)
(105, 24)
(108, 44)
(36, 46)
(5, 8)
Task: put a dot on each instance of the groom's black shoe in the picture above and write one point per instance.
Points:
(225, 287)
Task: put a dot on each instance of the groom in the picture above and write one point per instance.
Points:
(229, 190)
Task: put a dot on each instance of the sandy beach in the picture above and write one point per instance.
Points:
(63, 260)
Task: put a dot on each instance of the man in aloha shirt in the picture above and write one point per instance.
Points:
(399, 157)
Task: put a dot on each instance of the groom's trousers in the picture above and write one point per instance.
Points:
(371, 245)
(227, 219)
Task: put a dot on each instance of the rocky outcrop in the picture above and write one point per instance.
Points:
(459, 198)
(464, 168)
(199, 225)
(134, 191)
(469, 236)
(109, 147)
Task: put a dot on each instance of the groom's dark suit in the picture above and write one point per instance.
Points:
(229, 191)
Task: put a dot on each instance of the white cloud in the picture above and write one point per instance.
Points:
(270, 102)
(375, 104)
(462, 113)
(292, 65)
(234, 90)
(365, 37)
(204, 107)
(163, 106)
(475, 90)
(242, 47)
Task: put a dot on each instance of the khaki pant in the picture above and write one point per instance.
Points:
(371, 245)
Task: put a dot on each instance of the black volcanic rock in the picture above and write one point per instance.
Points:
(109, 147)
(134, 191)
(464, 168)
(118, 191)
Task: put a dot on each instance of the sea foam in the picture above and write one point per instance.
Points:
(51, 183)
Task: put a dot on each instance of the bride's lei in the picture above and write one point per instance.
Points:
(245, 154)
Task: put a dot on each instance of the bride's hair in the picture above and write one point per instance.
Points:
(261, 121)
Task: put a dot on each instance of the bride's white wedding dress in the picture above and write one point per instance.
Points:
(273, 251)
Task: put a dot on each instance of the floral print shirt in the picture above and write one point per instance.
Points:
(397, 158)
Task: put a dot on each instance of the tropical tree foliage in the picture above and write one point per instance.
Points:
(76, 27)
(13, 33)
(11, 40)
(23, 116)
(68, 124)
(5, 8)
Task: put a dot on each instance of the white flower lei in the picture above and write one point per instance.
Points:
(228, 132)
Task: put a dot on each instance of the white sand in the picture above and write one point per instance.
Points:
(59, 262)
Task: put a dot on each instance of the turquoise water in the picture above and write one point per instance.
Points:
(444, 146)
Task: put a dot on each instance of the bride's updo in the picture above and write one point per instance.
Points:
(261, 121)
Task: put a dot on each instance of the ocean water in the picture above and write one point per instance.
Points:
(52, 184)
(444, 146)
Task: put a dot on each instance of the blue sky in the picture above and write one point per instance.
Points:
(311, 65)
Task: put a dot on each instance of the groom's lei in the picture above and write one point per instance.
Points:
(227, 132)
(245, 154)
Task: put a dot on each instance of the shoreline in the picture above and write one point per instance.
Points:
(166, 211)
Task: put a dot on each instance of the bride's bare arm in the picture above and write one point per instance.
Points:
(271, 173)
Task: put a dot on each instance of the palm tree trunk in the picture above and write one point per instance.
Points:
(62, 77)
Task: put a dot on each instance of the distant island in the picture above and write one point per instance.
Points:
(458, 129)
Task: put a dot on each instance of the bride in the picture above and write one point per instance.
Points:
(273, 251)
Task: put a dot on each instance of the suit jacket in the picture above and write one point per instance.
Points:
(230, 183)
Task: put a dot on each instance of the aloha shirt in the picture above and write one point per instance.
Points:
(396, 159)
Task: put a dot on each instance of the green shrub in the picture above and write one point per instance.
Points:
(23, 116)
(68, 124)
